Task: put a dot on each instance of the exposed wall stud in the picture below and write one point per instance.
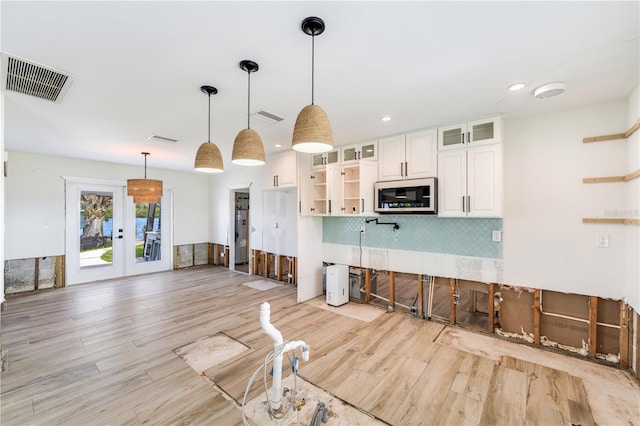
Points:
(624, 335)
(593, 325)
(367, 285)
(452, 292)
(536, 316)
(491, 308)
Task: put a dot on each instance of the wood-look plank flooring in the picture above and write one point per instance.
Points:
(103, 353)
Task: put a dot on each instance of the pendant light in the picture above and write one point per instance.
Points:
(144, 190)
(312, 131)
(208, 157)
(247, 147)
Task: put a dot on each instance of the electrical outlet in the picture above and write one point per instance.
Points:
(363, 230)
(602, 241)
(496, 236)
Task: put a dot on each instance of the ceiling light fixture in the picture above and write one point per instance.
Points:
(144, 190)
(549, 90)
(515, 87)
(312, 131)
(208, 157)
(385, 118)
(247, 147)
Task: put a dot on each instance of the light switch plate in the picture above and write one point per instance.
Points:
(496, 236)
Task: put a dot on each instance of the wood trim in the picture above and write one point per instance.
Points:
(226, 256)
(452, 291)
(624, 335)
(632, 175)
(623, 221)
(624, 135)
(491, 309)
(637, 345)
(210, 253)
(60, 279)
(392, 290)
(593, 325)
(536, 316)
(367, 285)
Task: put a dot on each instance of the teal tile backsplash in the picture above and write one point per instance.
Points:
(457, 236)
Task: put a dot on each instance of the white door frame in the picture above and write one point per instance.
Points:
(124, 265)
(231, 229)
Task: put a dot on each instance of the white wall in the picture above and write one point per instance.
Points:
(35, 201)
(546, 245)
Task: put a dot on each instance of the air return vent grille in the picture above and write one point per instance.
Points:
(267, 117)
(36, 80)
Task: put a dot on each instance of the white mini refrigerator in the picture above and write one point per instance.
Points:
(337, 285)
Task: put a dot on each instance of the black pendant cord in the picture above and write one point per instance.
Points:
(145, 163)
(313, 54)
(249, 99)
(209, 134)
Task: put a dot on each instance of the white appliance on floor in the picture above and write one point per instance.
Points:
(337, 285)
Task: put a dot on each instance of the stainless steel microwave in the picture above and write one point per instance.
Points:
(407, 196)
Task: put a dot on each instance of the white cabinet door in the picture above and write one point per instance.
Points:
(452, 183)
(452, 137)
(484, 181)
(484, 132)
(368, 176)
(391, 159)
(318, 161)
(421, 156)
(350, 154)
(333, 190)
(287, 171)
(269, 172)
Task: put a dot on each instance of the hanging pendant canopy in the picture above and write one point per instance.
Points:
(144, 190)
(248, 149)
(312, 132)
(209, 158)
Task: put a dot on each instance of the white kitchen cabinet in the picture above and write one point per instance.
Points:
(409, 156)
(357, 188)
(472, 133)
(318, 161)
(352, 154)
(470, 182)
(280, 171)
(320, 192)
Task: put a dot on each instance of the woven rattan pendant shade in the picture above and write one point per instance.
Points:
(144, 190)
(312, 132)
(248, 149)
(208, 157)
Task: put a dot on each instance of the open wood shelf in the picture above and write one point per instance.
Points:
(624, 221)
(624, 178)
(624, 135)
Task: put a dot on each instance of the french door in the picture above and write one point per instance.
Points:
(110, 236)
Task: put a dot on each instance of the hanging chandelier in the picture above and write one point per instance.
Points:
(312, 131)
(247, 147)
(209, 157)
(144, 190)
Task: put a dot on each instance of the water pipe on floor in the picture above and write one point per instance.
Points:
(279, 347)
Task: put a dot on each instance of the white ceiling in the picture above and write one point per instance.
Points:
(140, 65)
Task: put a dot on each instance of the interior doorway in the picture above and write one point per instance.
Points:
(241, 230)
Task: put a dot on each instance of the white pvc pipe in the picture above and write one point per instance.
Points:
(271, 331)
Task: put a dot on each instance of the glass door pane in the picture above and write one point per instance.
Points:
(148, 235)
(452, 137)
(482, 131)
(96, 229)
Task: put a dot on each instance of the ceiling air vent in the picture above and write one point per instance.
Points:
(162, 139)
(32, 79)
(267, 117)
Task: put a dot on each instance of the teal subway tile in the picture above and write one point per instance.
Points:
(457, 236)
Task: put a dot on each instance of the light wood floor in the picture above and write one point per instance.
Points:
(103, 353)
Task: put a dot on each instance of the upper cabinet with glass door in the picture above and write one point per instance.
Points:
(318, 161)
(351, 154)
(472, 133)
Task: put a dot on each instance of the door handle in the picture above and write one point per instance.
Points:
(406, 169)
(463, 209)
(468, 203)
(120, 237)
(469, 137)
(362, 210)
(401, 171)
(329, 206)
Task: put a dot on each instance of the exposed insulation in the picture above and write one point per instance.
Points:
(583, 350)
(200, 254)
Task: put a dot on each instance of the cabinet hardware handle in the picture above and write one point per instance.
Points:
(401, 170)
(362, 211)
(406, 169)
(329, 206)
(313, 209)
(463, 209)
(469, 137)
(274, 180)
(468, 203)
(300, 207)
(359, 155)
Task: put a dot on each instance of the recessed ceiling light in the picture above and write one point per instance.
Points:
(516, 86)
(278, 145)
(385, 118)
(548, 90)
